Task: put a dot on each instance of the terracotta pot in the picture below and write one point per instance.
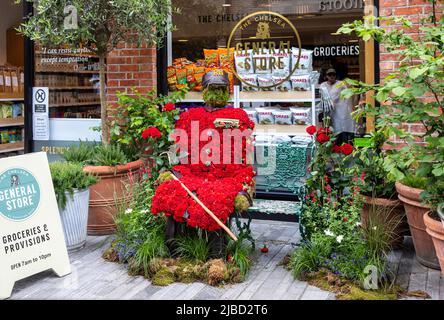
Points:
(436, 231)
(108, 195)
(415, 210)
(395, 212)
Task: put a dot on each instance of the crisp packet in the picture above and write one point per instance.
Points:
(265, 115)
(249, 82)
(301, 116)
(282, 117)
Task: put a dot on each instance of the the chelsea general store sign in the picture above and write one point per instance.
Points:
(31, 234)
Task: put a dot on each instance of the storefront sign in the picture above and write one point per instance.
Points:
(336, 51)
(341, 5)
(31, 232)
(40, 110)
(270, 37)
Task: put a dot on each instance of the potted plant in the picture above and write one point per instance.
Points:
(142, 126)
(114, 168)
(411, 95)
(378, 188)
(71, 186)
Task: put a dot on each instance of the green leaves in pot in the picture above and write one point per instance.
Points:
(68, 177)
(95, 155)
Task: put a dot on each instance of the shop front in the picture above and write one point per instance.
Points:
(277, 54)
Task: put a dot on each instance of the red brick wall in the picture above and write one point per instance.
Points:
(130, 66)
(414, 10)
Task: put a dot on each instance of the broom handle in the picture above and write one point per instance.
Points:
(227, 230)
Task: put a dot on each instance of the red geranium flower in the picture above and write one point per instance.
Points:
(322, 138)
(347, 149)
(169, 106)
(336, 148)
(151, 132)
(311, 130)
(324, 130)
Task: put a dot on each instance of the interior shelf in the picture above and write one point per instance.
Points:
(10, 122)
(275, 96)
(267, 129)
(11, 147)
(9, 96)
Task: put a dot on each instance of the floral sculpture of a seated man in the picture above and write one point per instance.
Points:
(218, 145)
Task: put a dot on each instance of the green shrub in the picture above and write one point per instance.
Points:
(67, 177)
(108, 155)
(240, 254)
(82, 153)
(96, 155)
(193, 247)
(414, 181)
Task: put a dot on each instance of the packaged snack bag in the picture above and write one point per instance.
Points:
(243, 62)
(198, 77)
(265, 115)
(172, 83)
(262, 62)
(282, 117)
(211, 58)
(191, 82)
(171, 72)
(265, 81)
(200, 63)
(17, 110)
(301, 82)
(181, 76)
(8, 81)
(190, 69)
(199, 69)
(249, 82)
(2, 81)
(4, 134)
(15, 81)
(252, 114)
(226, 58)
(7, 110)
(305, 62)
(285, 85)
(301, 116)
(280, 63)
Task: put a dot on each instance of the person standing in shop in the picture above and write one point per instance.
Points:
(344, 127)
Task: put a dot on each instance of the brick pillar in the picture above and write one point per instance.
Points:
(414, 11)
(130, 66)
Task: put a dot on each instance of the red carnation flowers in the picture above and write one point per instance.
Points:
(169, 107)
(336, 149)
(311, 130)
(152, 132)
(347, 149)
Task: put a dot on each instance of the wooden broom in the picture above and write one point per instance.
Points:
(212, 215)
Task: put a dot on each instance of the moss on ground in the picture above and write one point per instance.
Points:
(349, 290)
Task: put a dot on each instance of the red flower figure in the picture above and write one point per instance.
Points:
(169, 107)
(322, 138)
(151, 132)
(347, 149)
(311, 130)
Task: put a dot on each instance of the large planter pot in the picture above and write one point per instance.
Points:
(394, 213)
(75, 218)
(436, 231)
(441, 213)
(108, 195)
(415, 210)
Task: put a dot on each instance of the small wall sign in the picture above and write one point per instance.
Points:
(31, 234)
